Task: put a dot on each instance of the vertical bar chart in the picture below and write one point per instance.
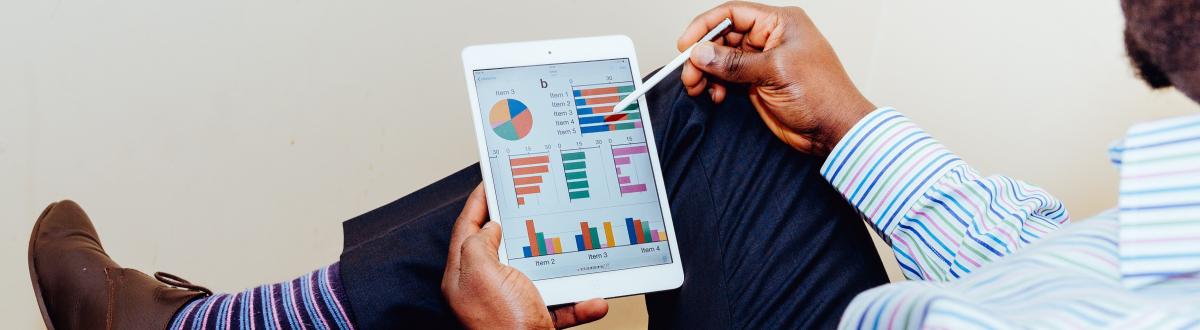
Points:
(539, 244)
(594, 108)
(640, 232)
(623, 160)
(528, 173)
(574, 164)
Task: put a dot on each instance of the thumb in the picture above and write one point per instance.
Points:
(481, 247)
(732, 64)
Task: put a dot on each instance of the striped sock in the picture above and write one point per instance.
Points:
(312, 301)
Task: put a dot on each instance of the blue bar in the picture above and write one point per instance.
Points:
(578, 93)
(526, 250)
(584, 111)
(580, 101)
(591, 120)
(629, 228)
(579, 243)
(594, 128)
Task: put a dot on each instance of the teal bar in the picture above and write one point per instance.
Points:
(646, 231)
(577, 184)
(625, 89)
(576, 175)
(579, 194)
(573, 156)
(595, 238)
(574, 166)
(541, 240)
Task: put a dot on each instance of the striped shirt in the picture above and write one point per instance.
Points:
(994, 252)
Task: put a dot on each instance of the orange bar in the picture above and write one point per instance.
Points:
(662, 235)
(520, 200)
(641, 238)
(598, 91)
(530, 170)
(527, 180)
(608, 232)
(533, 246)
(529, 160)
(558, 245)
(587, 236)
(528, 190)
(596, 110)
(606, 99)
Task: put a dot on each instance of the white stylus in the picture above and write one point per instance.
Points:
(670, 67)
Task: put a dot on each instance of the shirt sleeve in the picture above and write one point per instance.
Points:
(941, 218)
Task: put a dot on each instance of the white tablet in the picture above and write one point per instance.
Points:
(575, 184)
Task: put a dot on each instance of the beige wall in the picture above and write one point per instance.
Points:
(226, 140)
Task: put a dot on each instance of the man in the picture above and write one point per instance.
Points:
(943, 220)
(1001, 249)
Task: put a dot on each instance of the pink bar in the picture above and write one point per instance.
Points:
(654, 235)
(621, 160)
(550, 246)
(629, 150)
(623, 180)
(637, 124)
(618, 171)
(633, 188)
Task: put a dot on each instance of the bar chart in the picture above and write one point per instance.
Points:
(574, 163)
(594, 108)
(626, 159)
(593, 237)
(528, 173)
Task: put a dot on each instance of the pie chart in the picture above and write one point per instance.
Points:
(511, 119)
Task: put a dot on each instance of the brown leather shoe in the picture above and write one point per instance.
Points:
(79, 287)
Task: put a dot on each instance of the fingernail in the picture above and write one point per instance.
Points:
(704, 53)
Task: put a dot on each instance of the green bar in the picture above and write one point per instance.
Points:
(625, 126)
(541, 240)
(573, 156)
(576, 175)
(579, 194)
(574, 165)
(633, 107)
(646, 231)
(595, 237)
(571, 185)
(625, 89)
(633, 115)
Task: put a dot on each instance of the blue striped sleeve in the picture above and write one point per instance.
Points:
(942, 219)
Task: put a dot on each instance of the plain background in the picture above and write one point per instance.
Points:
(226, 140)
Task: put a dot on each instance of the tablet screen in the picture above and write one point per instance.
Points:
(572, 176)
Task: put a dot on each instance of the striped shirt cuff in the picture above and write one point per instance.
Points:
(884, 163)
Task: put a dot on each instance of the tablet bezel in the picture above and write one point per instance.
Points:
(570, 289)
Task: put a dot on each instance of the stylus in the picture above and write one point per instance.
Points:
(670, 67)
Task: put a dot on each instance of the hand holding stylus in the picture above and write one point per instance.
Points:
(794, 78)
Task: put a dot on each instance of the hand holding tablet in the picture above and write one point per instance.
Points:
(573, 181)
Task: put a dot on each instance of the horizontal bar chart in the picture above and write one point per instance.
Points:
(623, 160)
(528, 173)
(594, 108)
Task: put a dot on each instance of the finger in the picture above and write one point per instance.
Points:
(717, 91)
(690, 75)
(579, 313)
(481, 248)
(733, 39)
(699, 88)
(732, 64)
(755, 19)
(473, 215)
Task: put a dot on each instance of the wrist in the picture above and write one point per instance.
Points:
(845, 116)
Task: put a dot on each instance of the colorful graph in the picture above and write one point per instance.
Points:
(511, 119)
(623, 160)
(539, 245)
(528, 173)
(575, 171)
(594, 108)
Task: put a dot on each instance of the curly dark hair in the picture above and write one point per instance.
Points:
(1162, 37)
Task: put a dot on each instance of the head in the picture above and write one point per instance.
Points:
(1163, 41)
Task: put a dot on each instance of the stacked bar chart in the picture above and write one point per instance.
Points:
(539, 245)
(623, 160)
(528, 173)
(575, 172)
(594, 108)
(639, 232)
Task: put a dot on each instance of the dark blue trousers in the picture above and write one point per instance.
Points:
(765, 242)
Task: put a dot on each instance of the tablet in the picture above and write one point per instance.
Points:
(575, 184)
